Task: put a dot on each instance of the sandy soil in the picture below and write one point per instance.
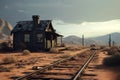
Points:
(25, 63)
(97, 71)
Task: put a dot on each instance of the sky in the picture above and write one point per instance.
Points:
(70, 17)
(88, 29)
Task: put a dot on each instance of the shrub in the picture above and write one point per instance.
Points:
(71, 48)
(9, 60)
(63, 45)
(4, 69)
(113, 50)
(26, 52)
(102, 47)
(54, 50)
(114, 60)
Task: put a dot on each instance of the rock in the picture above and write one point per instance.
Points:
(36, 68)
(4, 69)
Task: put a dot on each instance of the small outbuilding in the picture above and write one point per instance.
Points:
(35, 35)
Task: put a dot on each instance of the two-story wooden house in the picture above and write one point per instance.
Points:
(35, 35)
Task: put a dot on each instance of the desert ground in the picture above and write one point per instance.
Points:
(24, 64)
(97, 71)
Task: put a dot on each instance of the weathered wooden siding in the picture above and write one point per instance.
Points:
(18, 41)
(33, 30)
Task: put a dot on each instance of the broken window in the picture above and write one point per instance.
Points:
(27, 37)
(39, 37)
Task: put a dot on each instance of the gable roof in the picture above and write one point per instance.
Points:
(29, 25)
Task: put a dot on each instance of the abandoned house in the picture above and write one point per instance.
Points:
(35, 35)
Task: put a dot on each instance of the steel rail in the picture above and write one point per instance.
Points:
(44, 68)
(47, 67)
(78, 74)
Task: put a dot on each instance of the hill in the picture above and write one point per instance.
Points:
(5, 30)
(100, 40)
(103, 40)
(77, 40)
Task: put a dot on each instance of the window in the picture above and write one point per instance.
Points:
(39, 37)
(27, 37)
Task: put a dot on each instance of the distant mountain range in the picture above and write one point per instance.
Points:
(77, 40)
(103, 40)
(100, 40)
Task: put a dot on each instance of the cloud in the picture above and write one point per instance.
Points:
(70, 10)
(6, 6)
(89, 29)
(20, 10)
(67, 10)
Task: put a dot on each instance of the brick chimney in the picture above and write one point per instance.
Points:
(36, 19)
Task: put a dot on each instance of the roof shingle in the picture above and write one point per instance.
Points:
(29, 25)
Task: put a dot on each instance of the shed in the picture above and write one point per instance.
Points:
(35, 35)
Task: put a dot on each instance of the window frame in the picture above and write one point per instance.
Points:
(26, 37)
(39, 37)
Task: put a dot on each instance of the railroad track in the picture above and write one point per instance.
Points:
(65, 69)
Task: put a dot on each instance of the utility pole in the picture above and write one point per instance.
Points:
(113, 43)
(83, 40)
(109, 40)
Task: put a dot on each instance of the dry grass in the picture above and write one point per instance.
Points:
(54, 50)
(114, 60)
(72, 48)
(65, 56)
(113, 50)
(4, 69)
(26, 52)
(9, 60)
(63, 45)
